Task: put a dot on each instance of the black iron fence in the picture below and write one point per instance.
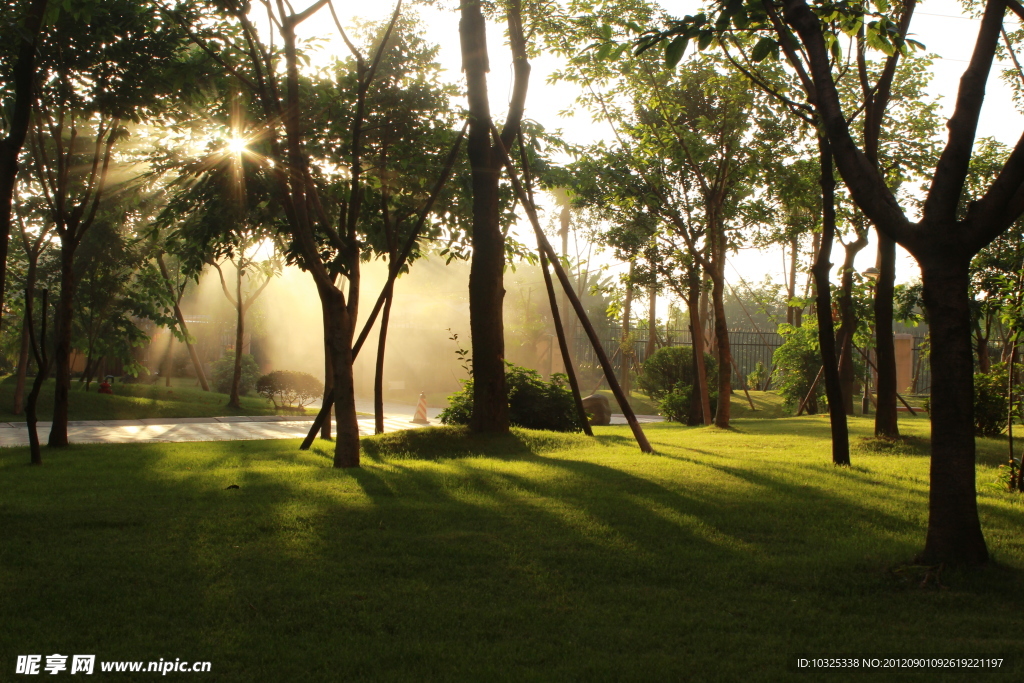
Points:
(748, 349)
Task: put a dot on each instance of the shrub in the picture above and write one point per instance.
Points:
(671, 367)
(224, 369)
(675, 405)
(292, 389)
(990, 401)
(532, 402)
(797, 363)
(759, 377)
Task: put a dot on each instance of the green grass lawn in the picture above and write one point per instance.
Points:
(533, 557)
(135, 402)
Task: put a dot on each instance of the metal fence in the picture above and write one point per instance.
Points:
(748, 348)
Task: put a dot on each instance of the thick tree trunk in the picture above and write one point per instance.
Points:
(823, 298)
(62, 349)
(378, 377)
(486, 286)
(954, 530)
(234, 400)
(338, 340)
(886, 416)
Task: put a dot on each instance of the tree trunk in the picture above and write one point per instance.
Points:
(192, 354)
(62, 348)
(486, 286)
(701, 388)
(723, 411)
(378, 377)
(338, 340)
(848, 322)
(823, 297)
(22, 371)
(984, 361)
(885, 355)
(954, 530)
(234, 399)
(652, 322)
(791, 283)
(625, 343)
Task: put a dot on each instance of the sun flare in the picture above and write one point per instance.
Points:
(237, 145)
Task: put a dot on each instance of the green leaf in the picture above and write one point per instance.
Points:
(837, 50)
(706, 38)
(674, 51)
(764, 47)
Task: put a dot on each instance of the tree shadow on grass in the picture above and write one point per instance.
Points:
(468, 569)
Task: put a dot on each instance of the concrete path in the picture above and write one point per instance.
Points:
(241, 428)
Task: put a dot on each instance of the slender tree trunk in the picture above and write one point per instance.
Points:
(723, 411)
(885, 354)
(848, 318)
(62, 348)
(192, 354)
(791, 284)
(826, 336)
(625, 343)
(954, 530)
(697, 335)
(39, 351)
(486, 287)
(984, 361)
(652, 322)
(22, 372)
(378, 378)
(234, 400)
(325, 427)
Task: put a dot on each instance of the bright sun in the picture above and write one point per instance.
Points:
(237, 145)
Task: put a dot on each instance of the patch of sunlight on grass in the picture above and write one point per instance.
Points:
(695, 525)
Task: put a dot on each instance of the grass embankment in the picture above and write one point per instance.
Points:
(534, 557)
(134, 402)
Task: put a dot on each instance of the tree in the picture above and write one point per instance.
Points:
(316, 175)
(486, 291)
(112, 73)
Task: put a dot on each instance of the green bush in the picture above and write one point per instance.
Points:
(224, 370)
(990, 400)
(675, 405)
(292, 389)
(532, 402)
(671, 367)
(797, 363)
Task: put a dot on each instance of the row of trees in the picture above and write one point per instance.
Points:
(348, 162)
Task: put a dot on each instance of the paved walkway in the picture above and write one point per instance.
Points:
(240, 428)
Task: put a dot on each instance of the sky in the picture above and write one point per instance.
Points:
(941, 25)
